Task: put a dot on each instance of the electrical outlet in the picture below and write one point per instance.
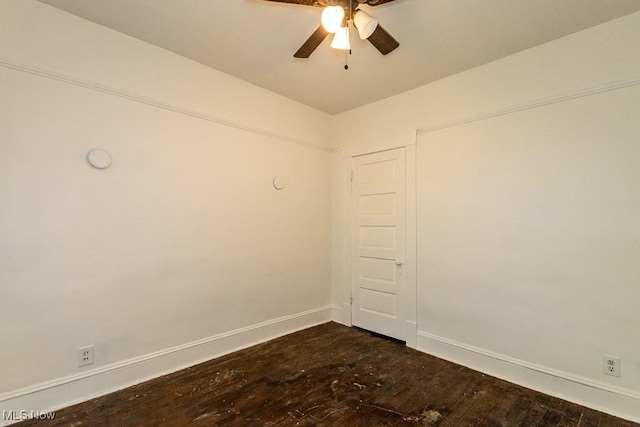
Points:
(611, 365)
(85, 356)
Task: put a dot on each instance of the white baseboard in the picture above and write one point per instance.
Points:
(616, 401)
(52, 395)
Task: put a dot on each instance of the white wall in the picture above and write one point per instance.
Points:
(530, 237)
(527, 213)
(182, 249)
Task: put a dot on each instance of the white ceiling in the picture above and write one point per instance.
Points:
(255, 39)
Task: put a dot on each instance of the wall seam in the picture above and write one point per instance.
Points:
(611, 86)
(53, 75)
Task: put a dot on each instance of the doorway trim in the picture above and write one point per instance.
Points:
(407, 140)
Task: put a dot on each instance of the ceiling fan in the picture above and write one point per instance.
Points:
(335, 18)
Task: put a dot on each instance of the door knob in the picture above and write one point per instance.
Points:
(398, 262)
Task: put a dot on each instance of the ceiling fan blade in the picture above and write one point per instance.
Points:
(325, 3)
(301, 2)
(383, 41)
(312, 43)
(377, 2)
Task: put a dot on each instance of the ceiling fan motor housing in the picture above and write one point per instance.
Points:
(371, 30)
(347, 4)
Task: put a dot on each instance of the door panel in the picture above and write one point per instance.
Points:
(378, 270)
(378, 238)
(378, 303)
(378, 220)
(377, 204)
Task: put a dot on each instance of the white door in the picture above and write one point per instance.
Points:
(379, 243)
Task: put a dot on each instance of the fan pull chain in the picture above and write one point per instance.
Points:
(346, 55)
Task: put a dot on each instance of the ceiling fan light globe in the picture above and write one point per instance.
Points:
(365, 24)
(331, 18)
(341, 39)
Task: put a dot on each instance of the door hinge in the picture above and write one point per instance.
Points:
(351, 177)
(351, 300)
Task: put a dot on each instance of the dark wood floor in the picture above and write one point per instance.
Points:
(329, 375)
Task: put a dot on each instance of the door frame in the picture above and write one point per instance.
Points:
(409, 142)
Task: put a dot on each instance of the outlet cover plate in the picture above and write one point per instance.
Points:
(85, 356)
(611, 365)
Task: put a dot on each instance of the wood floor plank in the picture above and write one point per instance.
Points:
(607, 420)
(589, 418)
(500, 400)
(328, 375)
(572, 415)
(452, 402)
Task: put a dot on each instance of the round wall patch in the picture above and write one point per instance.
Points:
(99, 159)
(278, 183)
